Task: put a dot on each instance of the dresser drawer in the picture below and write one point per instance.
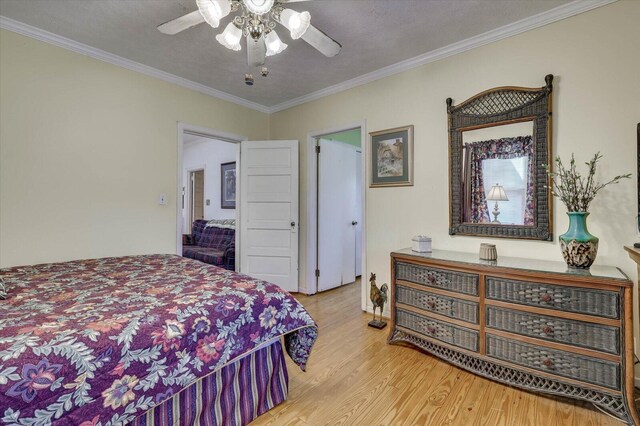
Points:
(592, 336)
(570, 299)
(561, 363)
(452, 334)
(459, 282)
(448, 306)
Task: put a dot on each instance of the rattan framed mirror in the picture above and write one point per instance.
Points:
(499, 143)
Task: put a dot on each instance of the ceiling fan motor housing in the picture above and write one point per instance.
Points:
(255, 28)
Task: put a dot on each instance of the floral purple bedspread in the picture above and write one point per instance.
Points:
(99, 342)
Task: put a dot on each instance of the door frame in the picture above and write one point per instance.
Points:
(188, 200)
(192, 129)
(309, 285)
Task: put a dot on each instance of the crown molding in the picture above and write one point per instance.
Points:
(553, 15)
(83, 49)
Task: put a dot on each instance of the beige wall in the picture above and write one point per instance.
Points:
(86, 148)
(596, 61)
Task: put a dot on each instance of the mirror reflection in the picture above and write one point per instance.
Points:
(499, 175)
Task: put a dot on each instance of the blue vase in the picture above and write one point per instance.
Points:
(579, 247)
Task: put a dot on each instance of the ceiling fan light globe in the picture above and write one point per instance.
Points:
(259, 7)
(296, 22)
(214, 10)
(274, 44)
(230, 37)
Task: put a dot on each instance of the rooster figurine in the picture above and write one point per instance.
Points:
(378, 299)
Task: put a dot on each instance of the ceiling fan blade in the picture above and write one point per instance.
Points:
(322, 42)
(256, 51)
(182, 23)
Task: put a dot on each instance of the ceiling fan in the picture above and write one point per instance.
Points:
(256, 22)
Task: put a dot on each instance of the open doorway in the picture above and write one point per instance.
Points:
(264, 207)
(207, 213)
(335, 240)
(209, 173)
(339, 207)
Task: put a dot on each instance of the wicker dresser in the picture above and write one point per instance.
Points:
(530, 324)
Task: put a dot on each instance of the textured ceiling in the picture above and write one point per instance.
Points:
(373, 33)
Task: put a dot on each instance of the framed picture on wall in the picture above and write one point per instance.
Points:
(228, 185)
(391, 157)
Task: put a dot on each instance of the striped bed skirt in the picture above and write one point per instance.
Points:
(232, 396)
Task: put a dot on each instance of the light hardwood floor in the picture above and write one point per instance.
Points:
(355, 378)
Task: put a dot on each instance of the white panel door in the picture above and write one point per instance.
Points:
(269, 211)
(336, 214)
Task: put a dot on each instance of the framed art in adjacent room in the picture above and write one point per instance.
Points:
(391, 157)
(228, 185)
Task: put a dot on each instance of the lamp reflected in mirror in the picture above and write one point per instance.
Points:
(497, 194)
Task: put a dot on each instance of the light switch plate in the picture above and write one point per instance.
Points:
(162, 199)
(208, 202)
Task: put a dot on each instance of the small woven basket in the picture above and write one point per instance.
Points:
(488, 252)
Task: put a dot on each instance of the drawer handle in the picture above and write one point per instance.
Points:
(546, 298)
(547, 330)
(431, 304)
(431, 279)
(548, 363)
(431, 329)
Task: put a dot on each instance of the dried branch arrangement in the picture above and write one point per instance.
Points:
(575, 191)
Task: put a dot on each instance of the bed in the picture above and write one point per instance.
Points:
(144, 340)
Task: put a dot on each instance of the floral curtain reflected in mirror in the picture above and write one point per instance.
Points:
(499, 142)
(500, 166)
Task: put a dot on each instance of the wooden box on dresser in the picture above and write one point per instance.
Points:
(531, 324)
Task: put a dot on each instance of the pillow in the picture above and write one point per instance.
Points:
(3, 290)
(222, 223)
